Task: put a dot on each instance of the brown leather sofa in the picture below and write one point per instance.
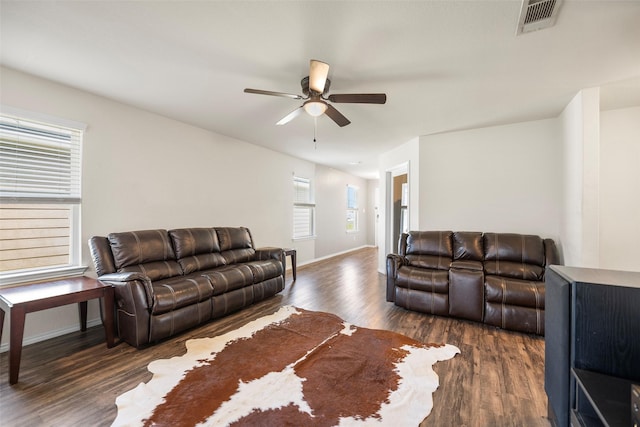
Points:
(494, 278)
(168, 281)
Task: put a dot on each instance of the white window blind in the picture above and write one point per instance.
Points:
(301, 190)
(40, 195)
(352, 197)
(39, 162)
(303, 209)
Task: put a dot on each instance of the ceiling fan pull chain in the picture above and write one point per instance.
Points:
(315, 128)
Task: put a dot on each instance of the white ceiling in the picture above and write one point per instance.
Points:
(444, 65)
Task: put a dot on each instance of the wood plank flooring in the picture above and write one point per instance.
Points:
(497, 380)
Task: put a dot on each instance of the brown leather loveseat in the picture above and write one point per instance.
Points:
(494, 278)
(168, 281)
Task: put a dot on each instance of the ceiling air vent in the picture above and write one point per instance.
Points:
(537, 14)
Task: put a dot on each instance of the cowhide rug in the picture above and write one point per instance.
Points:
(294, 367)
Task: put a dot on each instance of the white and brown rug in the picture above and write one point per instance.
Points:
(294, 367)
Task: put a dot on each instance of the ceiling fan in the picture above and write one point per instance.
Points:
(315, 88)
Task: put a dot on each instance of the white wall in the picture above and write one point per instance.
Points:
(373, 206)
(331, 210)
(574, 179)
(500, 179)
(579, 236)
(620, 189)
(142, 171)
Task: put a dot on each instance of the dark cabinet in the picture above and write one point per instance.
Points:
(592, 345)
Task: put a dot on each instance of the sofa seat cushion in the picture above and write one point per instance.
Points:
(171, 294)
(236, 256)
(265, 269)
(229, 278)
(157, 270)
(422, 279)
(429, 261)
(201, 262)
(522, 293)
(516, 270)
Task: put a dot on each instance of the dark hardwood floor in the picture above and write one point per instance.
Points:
(497, 380)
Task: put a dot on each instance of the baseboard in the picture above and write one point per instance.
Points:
(300, 264)
(49, 334)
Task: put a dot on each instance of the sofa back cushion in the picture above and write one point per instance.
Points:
(429, 249)
(468, 246)
(145, 251)
(514, 255)
(236, 244)
(196, 249)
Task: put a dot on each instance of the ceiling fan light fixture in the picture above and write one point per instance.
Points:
(315, 108)
(318, 72)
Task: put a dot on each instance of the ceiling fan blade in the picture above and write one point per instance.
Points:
(318, 72)
(292, 115)
(359, 98)
(268, 92)
(336, 116)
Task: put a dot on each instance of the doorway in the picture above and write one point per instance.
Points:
(397, 206)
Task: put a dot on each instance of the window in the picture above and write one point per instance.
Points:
(303, 209)
(40, 198)
(352, 208)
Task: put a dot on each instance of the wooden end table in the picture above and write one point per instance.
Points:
(290, 252)
(22, 299)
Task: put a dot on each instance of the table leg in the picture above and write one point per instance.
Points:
(293, 264)
(82, 310)
(109, 323)
(284, 266)
(1, 322)
(18, 315)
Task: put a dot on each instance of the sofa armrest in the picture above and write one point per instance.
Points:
(551, 252)
(134, 297)
(101, 255)
(269, 253)
(394, 262)
(136, 283)
(466, 290)
(123, 277)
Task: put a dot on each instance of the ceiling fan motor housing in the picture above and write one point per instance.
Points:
(305, 86)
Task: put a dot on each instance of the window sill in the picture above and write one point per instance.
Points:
(7, 279)
(298, 239)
